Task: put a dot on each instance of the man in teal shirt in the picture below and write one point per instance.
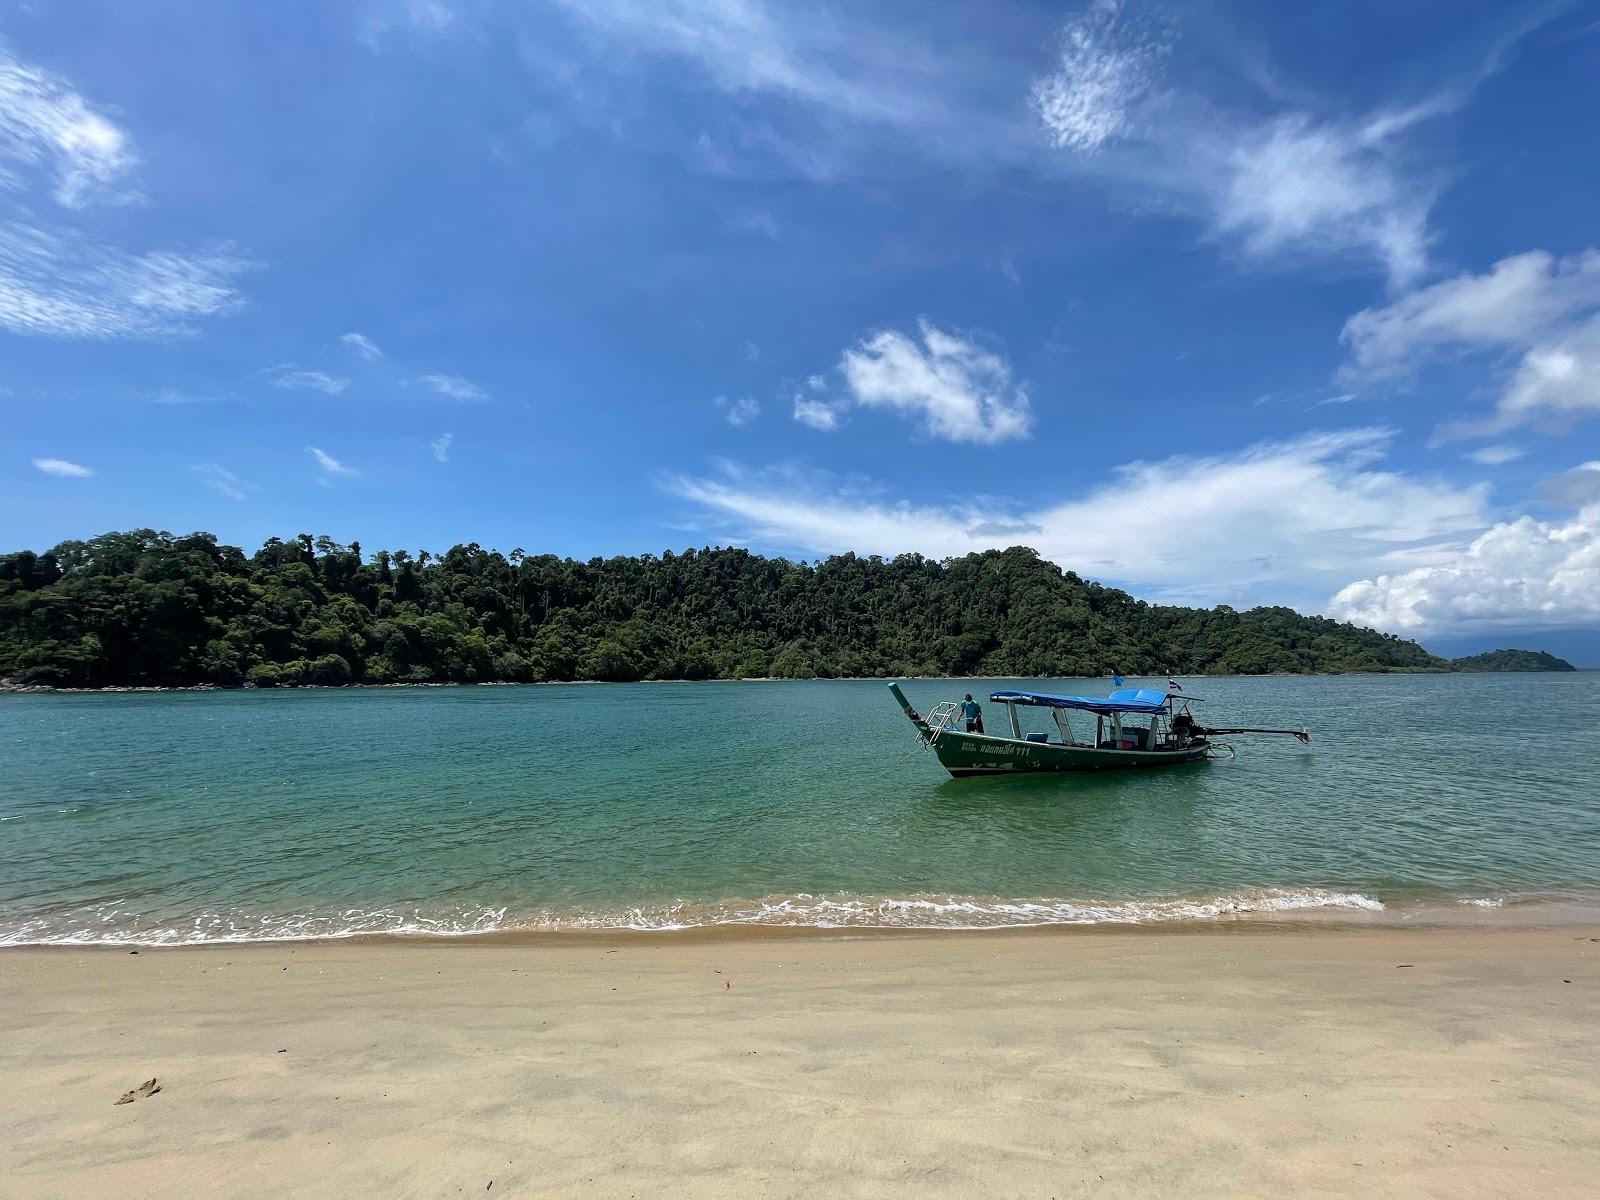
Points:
(973, 712)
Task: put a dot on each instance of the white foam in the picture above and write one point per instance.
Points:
(1483, 902)
(111, 926)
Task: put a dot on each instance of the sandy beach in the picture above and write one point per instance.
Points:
(1229, 1062)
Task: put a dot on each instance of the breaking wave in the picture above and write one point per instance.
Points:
(114, 927)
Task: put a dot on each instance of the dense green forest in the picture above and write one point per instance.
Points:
(1513, 660)
(147, 608)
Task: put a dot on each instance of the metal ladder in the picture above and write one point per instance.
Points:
(939, 716)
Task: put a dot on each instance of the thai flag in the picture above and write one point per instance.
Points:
(1174, 686)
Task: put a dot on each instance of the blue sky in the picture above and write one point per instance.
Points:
(1223, 303)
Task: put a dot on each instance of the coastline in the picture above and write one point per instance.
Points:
(1390, 1061)
(28, 689)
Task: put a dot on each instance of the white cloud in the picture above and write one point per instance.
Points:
(65, 284)
(752, 352)
(220, 479)
(1519, 573)
(1544, 308)
(454, 387)
(1277, 185)
(1105, 68)
(1574, 488)
(60, 466)
(1496, 456)
(739, 411)
(961, 392)
(329, 464)
(292, 378)
(441, 446)
(1278, 521)
(362, 345)
(1516, 303)
(44, 123)
(820, 414)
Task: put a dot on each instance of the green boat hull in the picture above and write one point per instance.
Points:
(965, 754)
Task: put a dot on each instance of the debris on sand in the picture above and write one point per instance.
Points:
(148, 1088)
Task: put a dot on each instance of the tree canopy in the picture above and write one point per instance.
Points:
(149, 608)
(1513, 660)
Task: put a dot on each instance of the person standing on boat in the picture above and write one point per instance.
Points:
(973, 712)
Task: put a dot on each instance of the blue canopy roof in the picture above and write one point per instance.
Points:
(1134, 700)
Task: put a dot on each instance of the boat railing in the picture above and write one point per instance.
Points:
(939, 718)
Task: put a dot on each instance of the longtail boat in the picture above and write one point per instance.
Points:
(1121, 739)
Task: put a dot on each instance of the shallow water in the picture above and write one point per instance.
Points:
(183, 817)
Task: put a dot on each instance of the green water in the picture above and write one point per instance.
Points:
(193, 816)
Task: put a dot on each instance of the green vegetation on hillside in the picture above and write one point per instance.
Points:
(144, 608)
(1512, 660)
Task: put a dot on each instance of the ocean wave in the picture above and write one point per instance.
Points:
(115, 927)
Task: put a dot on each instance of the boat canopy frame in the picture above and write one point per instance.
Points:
(1151, 701)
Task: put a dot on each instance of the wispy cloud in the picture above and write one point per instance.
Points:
(1276, 185)
(65, 284)
(752, 352)
(741, 410)
(1278, 521)
(1543, 308)
(220, 479)
(819, 412)
(45, 124)
(329, 464)
(441, 446)
(1496, 456)
(63, 468)
(454, 387)
(362, 345)
(293, 378)
(956, 389)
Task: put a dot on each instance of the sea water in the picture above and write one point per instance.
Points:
(192, 817)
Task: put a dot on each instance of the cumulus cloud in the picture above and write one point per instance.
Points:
(1276, 185)
(362, 345)
(329, 464)
(292, 378)
(1521, 572)
(46, 125)
(454, 387)
(818, 412)
(63, 468)
(956, 389)
(1544, 309)
(739, 411)
(59, 283)
(441, 446)
(1279, 520)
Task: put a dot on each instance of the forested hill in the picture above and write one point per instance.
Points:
(143, 608)
(1513, 660)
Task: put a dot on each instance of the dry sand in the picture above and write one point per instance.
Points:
(1228, 1063)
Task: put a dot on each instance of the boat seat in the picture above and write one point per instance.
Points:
(1038, 737)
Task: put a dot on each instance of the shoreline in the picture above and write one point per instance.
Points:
(1293, 913)
(41, 689)
(1389, 1062)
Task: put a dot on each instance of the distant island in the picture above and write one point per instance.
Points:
(149, 609)
(1512, 660)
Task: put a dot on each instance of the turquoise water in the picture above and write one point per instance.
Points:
(193, 816)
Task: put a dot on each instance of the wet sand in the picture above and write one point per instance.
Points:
(1234, 1062)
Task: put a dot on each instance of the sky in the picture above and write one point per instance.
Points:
(1222, 303)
